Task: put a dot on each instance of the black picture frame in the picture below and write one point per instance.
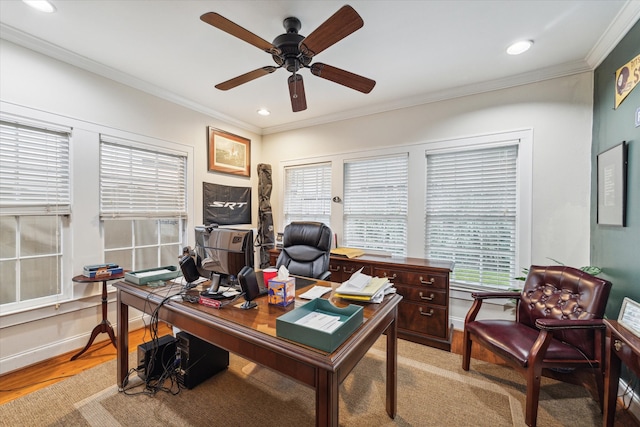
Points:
(612, 186)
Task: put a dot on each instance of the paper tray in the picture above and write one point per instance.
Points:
(138, 279)
(352, 316)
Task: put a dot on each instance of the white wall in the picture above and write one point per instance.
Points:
(558, 111)
(37, 86)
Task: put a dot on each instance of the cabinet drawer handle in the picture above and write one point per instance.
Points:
(351, 270)
(430, 313)
(427, 282)
(617, 344)
(334, 268)
(429, 298)
(392, 277)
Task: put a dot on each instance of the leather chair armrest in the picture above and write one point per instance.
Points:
(325, 276)
(560, 324)
(496, 295)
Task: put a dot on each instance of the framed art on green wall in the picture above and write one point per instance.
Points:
(612, 185)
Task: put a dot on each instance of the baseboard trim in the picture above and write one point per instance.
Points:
(634, 404)
(76, 343)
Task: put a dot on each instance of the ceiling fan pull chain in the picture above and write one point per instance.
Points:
(295, 85)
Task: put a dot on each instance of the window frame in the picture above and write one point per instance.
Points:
(524, 140)
(59, 207)
(130, 214)
(417, 190)
(287, 218)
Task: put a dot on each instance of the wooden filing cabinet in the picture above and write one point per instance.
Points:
(423, 313)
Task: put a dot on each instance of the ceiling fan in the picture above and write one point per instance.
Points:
(294, 51)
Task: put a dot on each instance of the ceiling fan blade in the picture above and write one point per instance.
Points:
(345, 78)
(246, 77)
(296, 92)
(236, 30)
(342, 23)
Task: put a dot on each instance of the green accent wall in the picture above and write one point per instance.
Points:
(617, 249)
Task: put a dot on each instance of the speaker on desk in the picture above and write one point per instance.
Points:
(198, 359)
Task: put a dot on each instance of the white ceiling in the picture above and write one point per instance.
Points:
(417, 51)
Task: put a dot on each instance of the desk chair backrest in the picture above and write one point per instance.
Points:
(566, 293)
(305, 249)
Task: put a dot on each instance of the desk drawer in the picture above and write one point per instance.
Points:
(626, 354)
(342, 270)
(423, 319)
(422, 294)
(424, 278)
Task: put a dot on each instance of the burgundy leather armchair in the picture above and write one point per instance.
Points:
(558, 325)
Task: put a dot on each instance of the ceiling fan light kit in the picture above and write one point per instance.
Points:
(293, 52)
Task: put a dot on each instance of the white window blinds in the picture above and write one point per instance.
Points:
(34, 168)
(471, 213)
(376, 197)
(139, 183)
(307, 193)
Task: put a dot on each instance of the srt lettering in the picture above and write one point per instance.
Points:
(230, 205)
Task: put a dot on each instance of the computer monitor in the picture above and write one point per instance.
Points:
(223, 251)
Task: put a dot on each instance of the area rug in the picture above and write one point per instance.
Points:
(432, 391)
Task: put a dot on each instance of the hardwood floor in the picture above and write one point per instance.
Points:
(24, 381)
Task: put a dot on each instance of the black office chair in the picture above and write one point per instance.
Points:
(305, 249)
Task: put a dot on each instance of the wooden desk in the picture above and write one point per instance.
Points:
(621, 346)
(423, 314)
(252, 335)
(105, 325)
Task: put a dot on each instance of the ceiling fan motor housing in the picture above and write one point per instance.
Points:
(288, 43)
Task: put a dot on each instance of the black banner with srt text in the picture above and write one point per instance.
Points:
(225, 205)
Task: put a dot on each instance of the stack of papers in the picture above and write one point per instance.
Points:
(347, 252)
(361, 287)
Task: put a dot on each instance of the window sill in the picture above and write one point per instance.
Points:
(463, 292)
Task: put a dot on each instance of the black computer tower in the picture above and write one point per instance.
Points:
(198, 359)
(155, 356)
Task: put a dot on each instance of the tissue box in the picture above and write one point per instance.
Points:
(282, 292)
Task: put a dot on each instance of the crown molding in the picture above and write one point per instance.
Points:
(36, 44)
(536, 76)
(620, 26)
(628, 16)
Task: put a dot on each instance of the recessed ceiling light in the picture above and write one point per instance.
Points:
(264, 112)
(41, 5)
(519, 47)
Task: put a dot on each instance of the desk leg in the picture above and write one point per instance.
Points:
(123, 343)
(611, 380)
(103, 327)
(327, 401)
(392, 365)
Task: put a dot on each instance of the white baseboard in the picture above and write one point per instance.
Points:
(630, 399)
(40, 354)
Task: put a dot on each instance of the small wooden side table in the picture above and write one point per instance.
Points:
(105, 325)
(621, 346)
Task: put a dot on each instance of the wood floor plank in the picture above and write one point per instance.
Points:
(24, 381)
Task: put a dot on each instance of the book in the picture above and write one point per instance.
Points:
(370, 289)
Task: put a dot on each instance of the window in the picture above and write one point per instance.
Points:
(471, 207)
(34, 209)
(376, 197)
(142, 204)
(307, 193)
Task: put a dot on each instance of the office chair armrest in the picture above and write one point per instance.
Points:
(561, 324)
(479, 297)
(496, 295)
(325, 276)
